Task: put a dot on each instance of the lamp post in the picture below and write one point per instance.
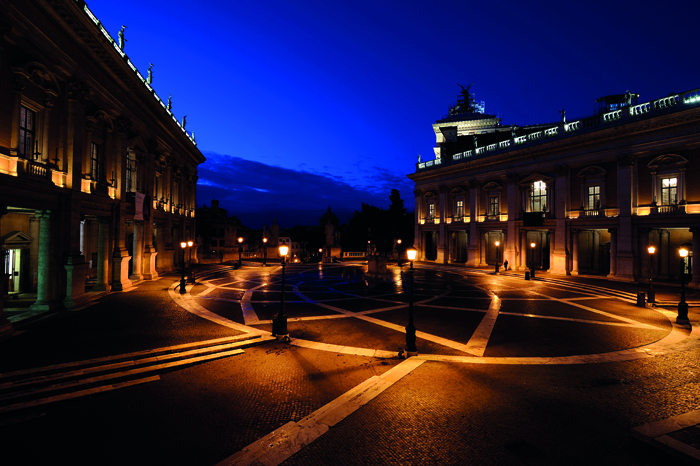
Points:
(498, 267)
(279, 325)
(532, 259)
(183, 245)
(264, 252)
(411, 349)
(189, 246)
(651, 298)
(682, 306)
(240, 251)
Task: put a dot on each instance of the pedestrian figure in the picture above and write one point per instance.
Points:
(505, 265)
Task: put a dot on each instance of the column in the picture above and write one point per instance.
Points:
(625, 259)
(74, 262)
(443, 252)
(102, 254)
(596, 250)
(474, 255)
(524, 248)
(138, 251)
(149, 253)
(558, 247)
(417, 235)
(574, 253)
(613, 252)
(695, 282)
(5, 325)
(43, 294)
(120, 256)
(511, 247)
(664, 254)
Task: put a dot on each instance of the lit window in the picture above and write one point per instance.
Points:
(593, 197)
(538, 197)
(94, 161)
(459, 211)
(26, 132)
(493, 205)
(431, 210)
(669, 193)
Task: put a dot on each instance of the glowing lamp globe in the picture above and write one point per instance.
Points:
(411, 253)
(284, 250)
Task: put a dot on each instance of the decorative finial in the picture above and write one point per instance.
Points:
(149, 79)
(170, 103)
(122, 41)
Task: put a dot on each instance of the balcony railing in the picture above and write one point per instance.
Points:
(594, 213)
(668, 209)
(493, 217)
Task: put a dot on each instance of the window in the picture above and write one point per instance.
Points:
(213, 243)
(493, 205)
(538, 197)
(94, 161)
(27, 122)
(459, 211)
(222, 242)
(593, 197)
(131, 185)
(431, 210)
(669, 193)
(156, 186)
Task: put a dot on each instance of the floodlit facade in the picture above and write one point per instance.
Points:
(591, 195)
(97, 176)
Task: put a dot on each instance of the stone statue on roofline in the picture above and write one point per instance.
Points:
(122, 41)
(184, 121)
(149, 79)
(563, 115)
(170, 103)
(419, 160)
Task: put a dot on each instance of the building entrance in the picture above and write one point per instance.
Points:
(431, 245)
(459, 246)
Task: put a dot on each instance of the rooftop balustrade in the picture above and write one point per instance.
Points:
(664, 105)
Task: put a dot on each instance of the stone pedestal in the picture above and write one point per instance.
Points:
(120, 270)
(376, 266)
(149, 263)
(76, 273)
(138, 252)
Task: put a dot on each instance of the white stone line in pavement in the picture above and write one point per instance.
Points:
(187, 301)
(480, 339)
(304, 319)
(677, 340)
(583, 321)
(282, 443)
(250, 317)
(206, 291)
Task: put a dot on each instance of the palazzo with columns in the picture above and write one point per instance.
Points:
(97, 176)
(580, 197)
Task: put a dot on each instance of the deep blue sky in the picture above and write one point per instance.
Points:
(298, 105)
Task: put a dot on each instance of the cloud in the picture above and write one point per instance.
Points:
(258, 193)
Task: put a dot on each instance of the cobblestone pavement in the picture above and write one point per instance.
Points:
(451, 409)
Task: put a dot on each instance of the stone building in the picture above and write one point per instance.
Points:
(590, 194)
(97, 177)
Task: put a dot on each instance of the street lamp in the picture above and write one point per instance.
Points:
(411, 349)
(279, 325)
(532, 259)
(264, 252)
(682, 306)
(652, 298)
(498, 243)
(183, 245)
(240, 251)
(189, 245)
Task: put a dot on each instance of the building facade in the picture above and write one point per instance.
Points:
(580, 197)
(97, 176)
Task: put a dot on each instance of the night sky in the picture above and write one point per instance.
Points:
(302, 105)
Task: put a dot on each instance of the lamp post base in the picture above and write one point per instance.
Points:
(183, 288)
(682, 318)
